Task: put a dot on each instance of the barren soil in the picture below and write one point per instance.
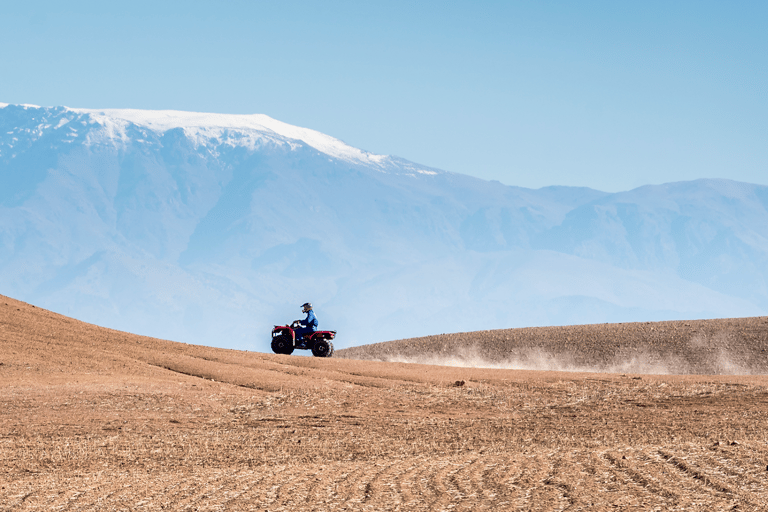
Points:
(95, 419)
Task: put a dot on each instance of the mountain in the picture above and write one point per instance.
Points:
(209, 228)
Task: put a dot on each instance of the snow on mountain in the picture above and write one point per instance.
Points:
(203, 127)
(210, 228)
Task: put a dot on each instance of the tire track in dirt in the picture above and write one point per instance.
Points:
(19, 496)
(284, 494)
(189, 490)
(249, 482)
(260, 486)
(691, 471)
(383, 487)
(443, 487)
(121, 493)
(563, 487)
(433, 485)
(643, 480)
(361, 490)
(240, 491)
(592, 476)
(404, 486)
(465, 480)
(470, 483)
(715, 473)
(93, 499)
(688, 476)
(299, 494)
(423, 488)
(324, 490)
(476, 469)
(755, 470)
(505, 491)
(233, 487)
(531, 473)
(733, 474)
(50, 497)
(539, 495)
(651, 466)
(370, 485)
(199, 490)
(317, 479)
(336, 476)
(168, 492)
(345, 478)
(319, 484)
(158, 489)
(570, 474)
(63, 501)
(455, 494)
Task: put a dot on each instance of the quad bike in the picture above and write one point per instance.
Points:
(284, 341)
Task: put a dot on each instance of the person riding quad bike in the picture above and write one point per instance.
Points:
(303, 334)
(309, 324)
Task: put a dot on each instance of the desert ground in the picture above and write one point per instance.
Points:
(96, 419)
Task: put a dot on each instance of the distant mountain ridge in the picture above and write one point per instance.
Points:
(209, 228)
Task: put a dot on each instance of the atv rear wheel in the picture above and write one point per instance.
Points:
(322, 348)
(282, 345)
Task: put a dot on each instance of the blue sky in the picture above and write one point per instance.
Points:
(610, 95)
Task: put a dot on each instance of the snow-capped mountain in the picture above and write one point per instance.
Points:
(209, 228)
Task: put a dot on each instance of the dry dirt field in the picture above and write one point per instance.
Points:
(94, 419)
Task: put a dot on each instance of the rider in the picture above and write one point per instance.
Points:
(309, 324)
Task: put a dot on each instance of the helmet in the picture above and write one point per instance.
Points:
(306, 306)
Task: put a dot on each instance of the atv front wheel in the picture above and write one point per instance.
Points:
(322, 348)
(282, 345)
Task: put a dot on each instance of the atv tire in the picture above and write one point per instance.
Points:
(322, 348)
(282, 345)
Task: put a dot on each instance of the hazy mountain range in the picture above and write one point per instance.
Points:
(210, 228)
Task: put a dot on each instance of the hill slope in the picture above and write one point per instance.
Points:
(719, 346)
(100, 419)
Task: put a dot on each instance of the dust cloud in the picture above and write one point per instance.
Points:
(643, 363)
(541, 360)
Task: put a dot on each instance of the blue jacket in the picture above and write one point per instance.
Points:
(310, 321)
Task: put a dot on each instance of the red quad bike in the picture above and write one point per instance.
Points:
(284, 341)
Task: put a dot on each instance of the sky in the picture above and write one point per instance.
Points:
(604, 94)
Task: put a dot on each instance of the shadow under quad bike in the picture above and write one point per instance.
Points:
(284, 341)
